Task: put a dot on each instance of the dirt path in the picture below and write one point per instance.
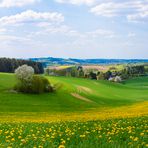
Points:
(83, 89)
(76, 95)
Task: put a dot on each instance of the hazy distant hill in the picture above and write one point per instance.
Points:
(70, 61)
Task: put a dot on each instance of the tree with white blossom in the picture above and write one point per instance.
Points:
(24, 73)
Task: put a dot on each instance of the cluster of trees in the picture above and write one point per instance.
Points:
(74, 71)
(30, 83)
(133, 71)
(112, 74)
(9, 65)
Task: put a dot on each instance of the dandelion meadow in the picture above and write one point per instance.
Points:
(124, 132)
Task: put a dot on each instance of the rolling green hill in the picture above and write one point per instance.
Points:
(73, 95)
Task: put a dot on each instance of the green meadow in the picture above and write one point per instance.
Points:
(72, 95)
(81, 113)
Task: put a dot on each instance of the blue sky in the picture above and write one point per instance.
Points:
(74, 28)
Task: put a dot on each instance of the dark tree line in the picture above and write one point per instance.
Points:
(9, 65)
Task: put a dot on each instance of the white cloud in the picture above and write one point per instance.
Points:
(9, 38)
(16, 3)
(107, 9)
(43, 24)
(102, 33)
(30, 16)
(77, 2)
(133, 10)
(138, 17)
(36, 21)
(141, 12)
(67, 31)
(50, 29)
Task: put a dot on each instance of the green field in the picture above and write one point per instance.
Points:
(73, 95)
(82, 113)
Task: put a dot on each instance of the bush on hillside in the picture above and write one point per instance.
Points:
(30, 83)
(40, 84)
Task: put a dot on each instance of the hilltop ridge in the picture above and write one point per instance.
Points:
(73, 61)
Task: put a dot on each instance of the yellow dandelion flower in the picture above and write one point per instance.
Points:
(82, 136)
(63, 142)
(135, 139)
(12, 139)
(47, 135)
(6, 132)
(61, 146)
(7, 140)
(141, 134)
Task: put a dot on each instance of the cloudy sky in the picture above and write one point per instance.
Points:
(74, 28)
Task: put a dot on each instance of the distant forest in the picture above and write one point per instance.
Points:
(60, 61)
(9, 65)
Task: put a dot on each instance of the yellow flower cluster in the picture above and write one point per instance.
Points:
(136, 110)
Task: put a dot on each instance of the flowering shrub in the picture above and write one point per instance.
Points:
(24, 73)
(30, 83)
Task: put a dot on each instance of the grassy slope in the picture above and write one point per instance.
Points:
(103, 94)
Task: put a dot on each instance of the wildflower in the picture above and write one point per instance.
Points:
(19, 137)
(7, 140)
(6, 132)
(82, 136)
(63, 142)
(141, 134)
(61, 146)
(47, 135)
(12, 139)
(135, 139)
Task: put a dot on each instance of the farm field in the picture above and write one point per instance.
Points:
(81, 113)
